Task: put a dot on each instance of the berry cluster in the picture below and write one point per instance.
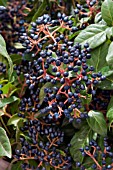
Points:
(82, 10)
(41, 33)
(2, 9)
(99, 155)
(12, 22)
(61, 66)
(44, 152)
(101, 100)
(91, 2)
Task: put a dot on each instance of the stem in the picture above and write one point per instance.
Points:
(56, 30)
(5, 113)
(22, 89)
(50, 35)
(61, 88)
(29, 158)
(5, 125)
(43, 68)
(64, 94)
(8, 115)
(10, 166)
(73, 3)
(91, 156)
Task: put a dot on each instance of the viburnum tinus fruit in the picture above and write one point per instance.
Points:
(99, 155)
(82, 10)
(55, 85)
(58, 66)
(100, 101)
(12, 19)
(44, 152)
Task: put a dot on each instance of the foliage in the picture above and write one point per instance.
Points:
(56, 84)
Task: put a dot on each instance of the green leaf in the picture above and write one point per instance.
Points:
(7, 88)
(98, 57)
(110, 114)
(54, 55)
(3, 81)
(13, 91)
(41, 10)
(16, 58)
(5, 147)
(3, 2)
(108, 160)
(33, 163)
(94, 34)
(1, 112)
(109, 57)
(110, 103)
(107, 84)
(109, 32)
(48, 167)
(14, 120)
(2, 42)
(97, 122)
(107, 12)
(4, 53)
(110, 125)
(87, 100)
(74, 167)
(78, 125)
(27, 57)
(88, 162)
(84, 20)
(18, 132)
(80, 140)
(61, 152)
(100, 141)
(71, 36)
(42, 93)
(9, 100)
(30, 15)
(98, 19)
(14, 107)
(106, 71)
(17, 166)
(19, 46)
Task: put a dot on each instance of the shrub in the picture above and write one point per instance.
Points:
(56, 84)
